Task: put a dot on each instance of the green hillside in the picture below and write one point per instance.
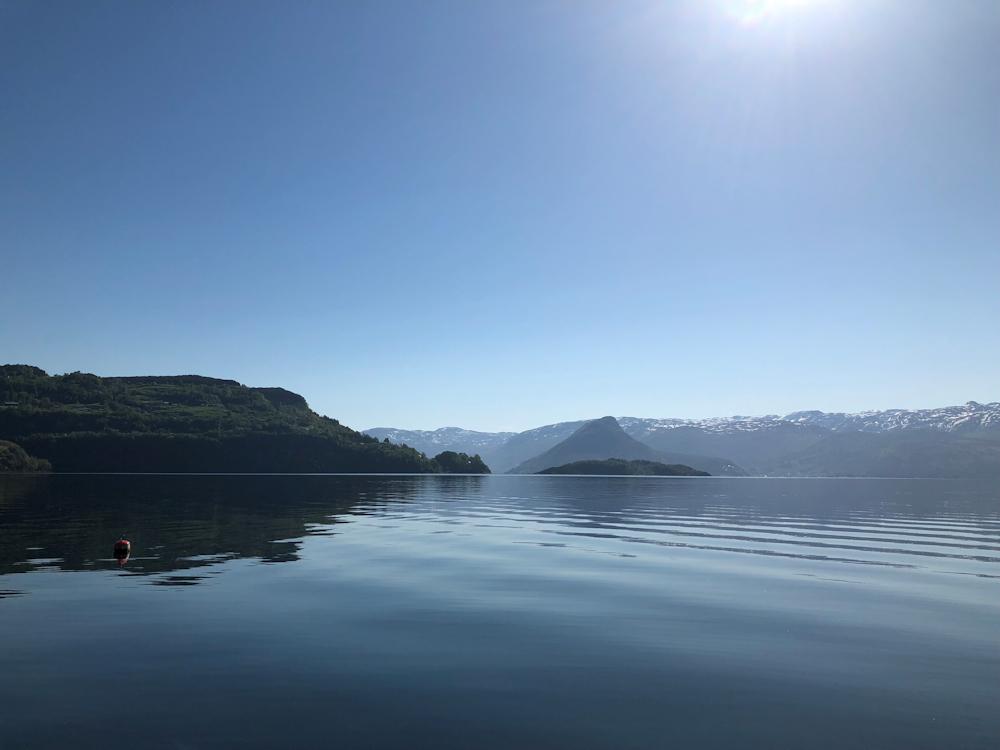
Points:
(82, 422)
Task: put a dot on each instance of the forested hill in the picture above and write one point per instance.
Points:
(82, 422)
(621, 467)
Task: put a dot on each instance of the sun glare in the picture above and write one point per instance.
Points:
(756, 11)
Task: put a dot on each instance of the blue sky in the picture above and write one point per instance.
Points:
(503, 214)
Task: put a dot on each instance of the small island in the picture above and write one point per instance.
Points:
(621, 467)
(450, 462)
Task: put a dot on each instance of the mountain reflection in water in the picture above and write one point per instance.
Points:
(182, 522)
(499, 611)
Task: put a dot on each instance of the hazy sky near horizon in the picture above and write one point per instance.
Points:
(504, 214)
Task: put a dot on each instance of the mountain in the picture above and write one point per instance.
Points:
(893, 442)
(186, 423)
(604, 438)
(969, 417)
(501, 450)
(904, 453)
(620, 467)
(755, 444)
(802, 443)
(524, 445)
(453, 439)
(597, 439)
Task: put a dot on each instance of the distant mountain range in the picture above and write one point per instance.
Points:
(443, 439)
(81, 422)
(951, 441)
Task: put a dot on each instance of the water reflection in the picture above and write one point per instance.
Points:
(174, 523)
(194, 523)
(498, 612)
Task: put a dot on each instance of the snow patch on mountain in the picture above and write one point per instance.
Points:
(968, 417)
(441, 439)
(507, 449)
(724, 425)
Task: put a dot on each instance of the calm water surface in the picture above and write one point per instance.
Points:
(499, 612)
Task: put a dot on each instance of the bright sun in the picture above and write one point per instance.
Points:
(752, 11)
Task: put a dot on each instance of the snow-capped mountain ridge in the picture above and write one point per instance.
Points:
(966, 417)
(949, 441)
(969, 416)
(432, 442)
(711, 424)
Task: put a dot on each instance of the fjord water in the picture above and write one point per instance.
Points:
(499, 612)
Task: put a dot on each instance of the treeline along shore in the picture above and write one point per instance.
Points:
(188, 423)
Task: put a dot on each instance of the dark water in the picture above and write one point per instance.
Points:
(499, 612)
